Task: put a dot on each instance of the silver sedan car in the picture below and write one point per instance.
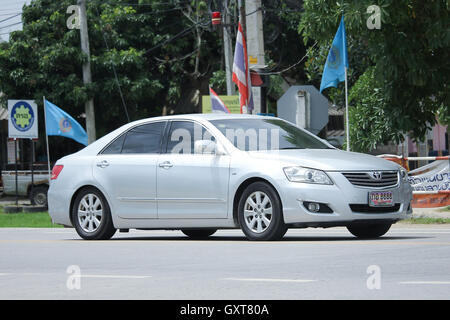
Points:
(203, 172)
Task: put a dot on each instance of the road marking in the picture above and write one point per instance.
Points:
(108, 276)
(426, 282)
(100, 276)
(270, 280)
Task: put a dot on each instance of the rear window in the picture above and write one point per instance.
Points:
(142, 139)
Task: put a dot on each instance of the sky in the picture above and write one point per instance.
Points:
(10, 10)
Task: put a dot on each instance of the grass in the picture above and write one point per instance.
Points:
(26, 220)
(424, 220)
(43, 220)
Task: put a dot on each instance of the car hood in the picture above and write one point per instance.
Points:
(326, 159)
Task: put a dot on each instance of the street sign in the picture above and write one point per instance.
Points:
(22, 119)
(232, 103)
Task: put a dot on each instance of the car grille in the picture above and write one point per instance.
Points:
(366, 179)
(364, 208)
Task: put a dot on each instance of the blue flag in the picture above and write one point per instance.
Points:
(337, 61)
(60, 123)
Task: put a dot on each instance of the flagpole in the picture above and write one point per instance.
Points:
(346, 112)
(46, 138)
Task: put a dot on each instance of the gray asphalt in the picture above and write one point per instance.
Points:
(410, 262)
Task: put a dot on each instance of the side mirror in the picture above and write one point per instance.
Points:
(204, 147)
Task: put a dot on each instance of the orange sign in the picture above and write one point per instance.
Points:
(440, 199)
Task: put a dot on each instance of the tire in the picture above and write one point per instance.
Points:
(260, 213)
(369, 230)
(94, 221)
(198, 233)
(38, 196)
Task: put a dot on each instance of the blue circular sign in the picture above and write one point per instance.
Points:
(22, 116)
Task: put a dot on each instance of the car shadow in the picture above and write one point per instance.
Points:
(285, 239)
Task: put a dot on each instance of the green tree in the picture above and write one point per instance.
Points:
(368, 108)
(407, 61)
(163, 54)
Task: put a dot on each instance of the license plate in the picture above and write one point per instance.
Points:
(381, 199)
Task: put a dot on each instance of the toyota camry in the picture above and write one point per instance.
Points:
(203, 172)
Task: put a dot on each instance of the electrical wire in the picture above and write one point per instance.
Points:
(178, 35)
(10, 25)
(6, 19)
(145, 4)
(114, 71)
(291, 66)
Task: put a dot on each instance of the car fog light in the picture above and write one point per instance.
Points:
(313, 207)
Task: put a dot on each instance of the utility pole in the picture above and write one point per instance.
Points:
(255, 49)
(87, 78)
(228, 50)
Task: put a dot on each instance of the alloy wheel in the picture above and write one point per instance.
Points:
(90, 213)
(258, 212)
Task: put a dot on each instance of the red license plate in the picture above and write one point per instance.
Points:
(381, 199)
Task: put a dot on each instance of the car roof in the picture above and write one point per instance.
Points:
(97, 145)
(204, 116)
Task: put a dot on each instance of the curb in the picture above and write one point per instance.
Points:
(33, 209)
(12, 209)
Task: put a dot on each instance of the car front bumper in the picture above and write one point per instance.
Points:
(338, 197)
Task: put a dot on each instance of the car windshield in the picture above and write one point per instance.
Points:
(266, 134)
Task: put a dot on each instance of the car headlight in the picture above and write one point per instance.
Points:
(306, 175)
(404, 175)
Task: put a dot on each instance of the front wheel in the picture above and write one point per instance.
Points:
(91, 215)
(260, 213)
(369, 230)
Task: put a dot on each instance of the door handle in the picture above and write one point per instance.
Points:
(166, 165)
(103, 164)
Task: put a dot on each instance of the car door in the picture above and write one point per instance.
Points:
(126, 169)
(191, 186)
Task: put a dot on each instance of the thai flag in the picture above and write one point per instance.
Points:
(217, 104)
(241, 74)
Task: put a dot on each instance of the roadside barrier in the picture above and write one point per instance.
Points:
(431, 182)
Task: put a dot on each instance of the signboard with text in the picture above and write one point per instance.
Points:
(22, 119)
(232, 103)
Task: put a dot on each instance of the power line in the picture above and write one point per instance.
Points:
(10, 25)
(291, 66)
(114, 70)
(10, 17)
(178, 35)
(7, 14)
(145, 4)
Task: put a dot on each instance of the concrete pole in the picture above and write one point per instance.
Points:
(255, 48)
(228, 50)
(87, 78)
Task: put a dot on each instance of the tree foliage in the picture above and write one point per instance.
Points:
(160, 51)
(407, 61)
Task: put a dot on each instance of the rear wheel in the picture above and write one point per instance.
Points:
(260, 213)
(369, 230)
(198, 233)
(91, 215)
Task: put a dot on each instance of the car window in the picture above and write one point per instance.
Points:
(116, 146)
(144, 139)
(183, 134)
(266, 134)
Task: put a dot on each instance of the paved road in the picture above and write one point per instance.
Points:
(412, 262)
